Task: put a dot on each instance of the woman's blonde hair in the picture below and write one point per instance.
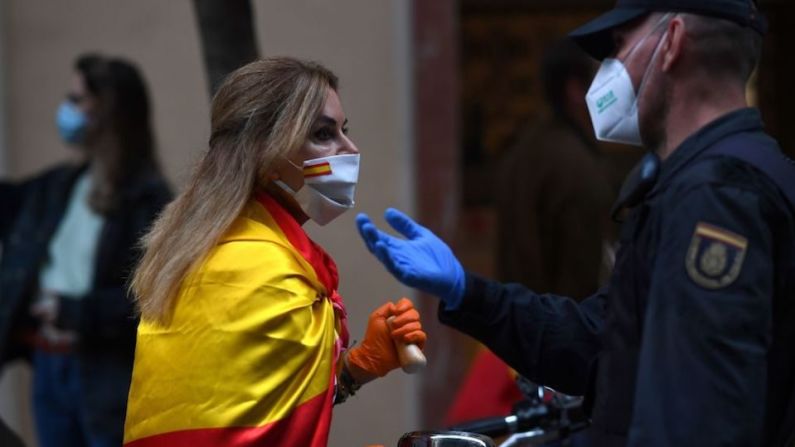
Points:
(262, 112)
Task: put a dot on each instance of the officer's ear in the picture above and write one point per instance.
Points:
(673, 43)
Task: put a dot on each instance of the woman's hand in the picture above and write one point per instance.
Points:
(50, 337)
(377, 355)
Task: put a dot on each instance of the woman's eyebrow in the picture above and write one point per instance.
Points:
(325, 119)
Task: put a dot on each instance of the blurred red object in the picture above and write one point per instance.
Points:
(488, 390)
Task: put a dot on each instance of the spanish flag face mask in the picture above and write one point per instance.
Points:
(329, 187)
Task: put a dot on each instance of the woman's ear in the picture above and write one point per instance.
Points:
(673, 44)
(289, 173)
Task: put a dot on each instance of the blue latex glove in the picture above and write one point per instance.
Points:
(421, 261)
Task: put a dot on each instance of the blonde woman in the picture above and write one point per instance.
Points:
(243, 338)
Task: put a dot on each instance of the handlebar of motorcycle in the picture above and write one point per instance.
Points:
(541, 416)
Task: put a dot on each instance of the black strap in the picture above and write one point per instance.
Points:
(639, 182)
(763, 153)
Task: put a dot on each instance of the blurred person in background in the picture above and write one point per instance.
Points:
(548, 182)
(243, 339)
(70, 240)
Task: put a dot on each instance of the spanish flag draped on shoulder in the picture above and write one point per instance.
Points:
(248, 357)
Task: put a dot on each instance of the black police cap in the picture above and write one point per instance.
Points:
(595, 36)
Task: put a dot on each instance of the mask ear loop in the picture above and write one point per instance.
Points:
(663, 20)
(299, 168)
(300, 174)
(653, 58)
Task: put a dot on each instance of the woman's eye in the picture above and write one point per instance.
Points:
(345, 130)
(324, 135)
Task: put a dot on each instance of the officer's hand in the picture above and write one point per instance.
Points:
(421, 260)
(377, 355)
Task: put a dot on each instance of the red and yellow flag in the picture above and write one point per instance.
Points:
(248, 357)
(317, 170)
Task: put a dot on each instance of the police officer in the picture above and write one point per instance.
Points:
(691, 343)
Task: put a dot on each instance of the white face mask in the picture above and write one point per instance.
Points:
(329, 187)
(612, 101)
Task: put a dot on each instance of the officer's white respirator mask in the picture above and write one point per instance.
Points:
(612, 101)
(329, 186)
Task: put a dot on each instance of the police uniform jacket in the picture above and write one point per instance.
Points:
(692, 342)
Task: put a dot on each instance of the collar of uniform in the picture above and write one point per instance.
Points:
(739, 121)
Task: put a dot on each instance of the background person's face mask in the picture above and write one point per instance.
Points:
(612, 102)
(329, 187)
(71, 122)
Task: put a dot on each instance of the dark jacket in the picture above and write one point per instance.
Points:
(548, 184)
(105, 319)
(692, 341)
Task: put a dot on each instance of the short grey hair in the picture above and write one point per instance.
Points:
(723, 48)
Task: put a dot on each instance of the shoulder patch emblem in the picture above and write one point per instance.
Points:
(715, 257)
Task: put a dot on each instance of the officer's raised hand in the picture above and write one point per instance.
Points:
(421, 260)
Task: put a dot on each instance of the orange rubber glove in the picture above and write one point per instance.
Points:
(376, 354)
